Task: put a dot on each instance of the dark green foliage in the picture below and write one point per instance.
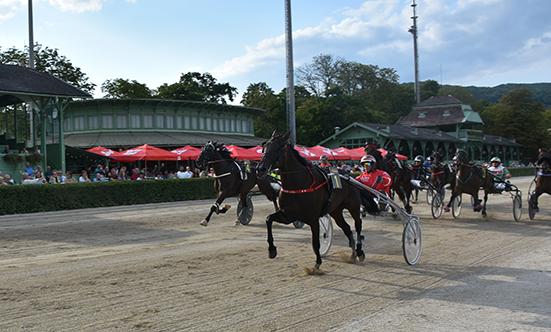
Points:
(45, 197)
(119, 88)
(541, 92)
(197, 87)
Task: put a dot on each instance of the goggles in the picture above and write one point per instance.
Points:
(368, 164)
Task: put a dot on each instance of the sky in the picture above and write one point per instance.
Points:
(241, 42)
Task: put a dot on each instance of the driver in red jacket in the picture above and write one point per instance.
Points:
(370, 174)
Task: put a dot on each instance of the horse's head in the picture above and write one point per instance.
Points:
(207, 154)
(372, 150)
(272, 151)
(435, 157)
(544, 159)
(462, 157)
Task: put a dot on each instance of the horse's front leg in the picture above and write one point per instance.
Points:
(404, 197)
(243, 199)
(277, 216)
(314, 227)
(534, 200)
(484, 214)
(477, 207)
(215, 208)
(454, 195)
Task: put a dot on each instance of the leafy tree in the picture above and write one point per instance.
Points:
(198, 87)
(260, 95)
(49, 61)
(517, 116)
(119, 88)
(429, 88)
(320, 75)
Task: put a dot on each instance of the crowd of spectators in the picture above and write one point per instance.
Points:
(101, 173)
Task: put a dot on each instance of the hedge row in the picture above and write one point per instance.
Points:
(40, 198)
(522, 171)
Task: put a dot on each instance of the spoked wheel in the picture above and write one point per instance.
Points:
(326, 234)
(437, 206)
(531, 212)
(248, 213)
(430, 195)
(517, 207)
(456, 206)
(412, 241)
(298, 224)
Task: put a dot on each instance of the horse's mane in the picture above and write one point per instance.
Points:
(223, 151)
(297, 155)
(545, 156)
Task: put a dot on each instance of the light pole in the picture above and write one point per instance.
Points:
(413, 31)
(290, 73)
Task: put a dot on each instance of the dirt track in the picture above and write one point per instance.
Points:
(154, 268)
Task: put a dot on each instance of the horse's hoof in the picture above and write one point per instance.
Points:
(204, 222)
(273, 253)
(477, 208)
(447, 209)
(413, 202)
(484, 214)
(227, 206)
(238, 222)
(361, 257)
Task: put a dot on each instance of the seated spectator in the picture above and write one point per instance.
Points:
(2, 183)
(70, 178)
(135, 173)
(9, 180)
(141, 176)
(84, 177)
(24, 151)
(6, 150)
(29, 169)
(48, 173)
(27, 179)
(98, 178)
(211, 173)
(55, 178)
(158, 176)
(113, 176)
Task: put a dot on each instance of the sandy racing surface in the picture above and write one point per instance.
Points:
(154, 268)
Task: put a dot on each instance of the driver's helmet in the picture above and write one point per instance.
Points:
(419, 158)
(495, 159)
(429, 158)
(368, 159)
(323, 158)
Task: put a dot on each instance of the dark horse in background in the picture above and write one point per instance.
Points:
(543, 178)
(306, 195)
(231, 179)
(441, 173)
(469, 179)
(400, 177)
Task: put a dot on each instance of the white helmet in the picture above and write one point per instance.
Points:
(419, 158)
(496, 159)
(368, 158)
(323, 157)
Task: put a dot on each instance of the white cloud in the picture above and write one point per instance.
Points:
(8, 8)
(77, 6)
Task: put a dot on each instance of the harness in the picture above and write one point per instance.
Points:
(308, 190)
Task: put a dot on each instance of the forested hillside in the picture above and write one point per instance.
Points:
(541, 92)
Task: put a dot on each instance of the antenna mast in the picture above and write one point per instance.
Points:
(413, 31)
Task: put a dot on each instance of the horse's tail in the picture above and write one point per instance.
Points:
(369, 203)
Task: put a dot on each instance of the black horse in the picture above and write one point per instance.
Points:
(469, 179)
(231, 179)
(441, 173)
(543, 178)
(306, 195)
(401, 184)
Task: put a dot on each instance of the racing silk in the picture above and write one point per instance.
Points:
(499, 172)
(369, 178)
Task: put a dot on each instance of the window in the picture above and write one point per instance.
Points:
(107, 122)
(136, 121)
(170, 122)
(179, 123)
(122, 121)
(187, 122)
(227, 125)
(148, 121)
(238, 126)
(221, 123)
(447, 113)
(215, 125)
(232, 125)
(67, 124)
(78, 123)
(422, 115)
(93, 122)
(194, 122)
(245, 126)
(160, 121)
(209, 124)
(202, 123)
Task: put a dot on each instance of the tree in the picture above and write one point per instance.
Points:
(320, 75)
(260, 95)
(517, 116)
(429, 88)
(49, 61)
(119, 88)
(198, 87)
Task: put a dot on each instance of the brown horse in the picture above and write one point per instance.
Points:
(400, 177)
(306, 195)
(231, 179)
(543, 178)
(469, 179)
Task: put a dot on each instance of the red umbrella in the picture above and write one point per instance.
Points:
(258, 150)
(309, 155)
(185, 153)
(383, 153)
(144, 152)
(353, 155)
(331, 154)
(240, 153)
(105, 152)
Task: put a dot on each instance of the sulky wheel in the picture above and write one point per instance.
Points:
(326, 234)
(412, 241)
(456, 206)
(430, 195)
(517, 207)
(437, 206)
(248, 213)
